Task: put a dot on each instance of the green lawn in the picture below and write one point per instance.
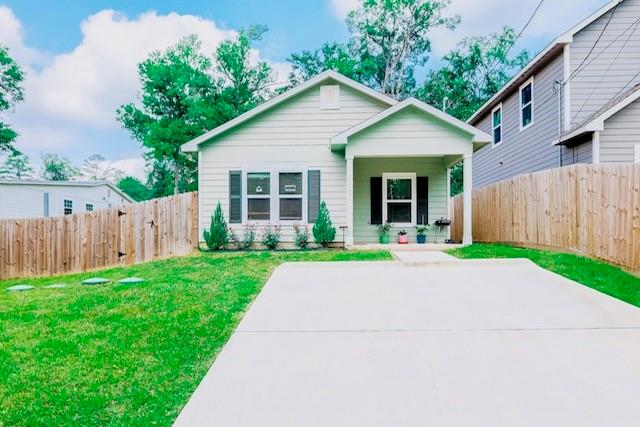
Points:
(126, 354)
(598, 275)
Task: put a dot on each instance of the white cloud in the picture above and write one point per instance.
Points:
(134, 166)
(342, 7)
(12, 36)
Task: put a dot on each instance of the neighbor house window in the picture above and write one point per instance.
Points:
(526, 104)
(290, 195)
(399, 198)
(88, 207)
(68, 207)
(258, 196)
(496, 124)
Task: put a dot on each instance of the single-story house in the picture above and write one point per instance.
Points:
(33, 199)
(372, 159)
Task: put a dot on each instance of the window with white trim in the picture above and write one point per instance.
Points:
(526, 104)
(496, 124)
(290, 195)
(88, 207)
(399, 198)
(258, 196)
(68, 207)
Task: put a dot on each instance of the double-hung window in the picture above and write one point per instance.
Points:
(68, 207)
(399, 198)
(496, 124)
(88, 207)
(290, 195)
(526, 104)
(258, 196)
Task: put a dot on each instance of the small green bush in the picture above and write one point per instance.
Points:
(246, 241)
(218, 234)
(271, 237)
(302, 237)
(323, 230)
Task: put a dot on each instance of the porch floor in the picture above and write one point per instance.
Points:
(410, 247)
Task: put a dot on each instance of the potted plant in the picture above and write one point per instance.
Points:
(403, 238)
(384, 229)
(421, 236)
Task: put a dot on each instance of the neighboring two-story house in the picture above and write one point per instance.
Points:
(575, 102)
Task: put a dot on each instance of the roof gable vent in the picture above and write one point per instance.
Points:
(330, 97)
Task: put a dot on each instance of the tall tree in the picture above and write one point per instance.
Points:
(176, 85)
(473, 72)
(96, 168)
(16, 166)
(135, 188)
(56, 168)
(11, 93)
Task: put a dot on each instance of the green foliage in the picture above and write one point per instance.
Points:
(457, 186)
(16, 166)
(323, 230)
(384, 229)
(271, 237)
(246, 241)
(135, 188)
(302, 237)
(56, 168)
(218, 234)
(473, 72)
(74, 354)
(422, 229)
(11, 93)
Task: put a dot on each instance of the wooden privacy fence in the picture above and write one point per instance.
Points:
(592, 209)
(130, 234)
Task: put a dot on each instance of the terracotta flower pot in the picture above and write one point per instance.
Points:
(403, 239)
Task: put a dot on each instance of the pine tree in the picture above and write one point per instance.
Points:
(218, 234)
(323, 230)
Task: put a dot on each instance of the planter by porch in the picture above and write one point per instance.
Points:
(421, 239)
(384, 239)
(403, 239)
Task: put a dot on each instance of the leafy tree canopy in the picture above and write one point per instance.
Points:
(56, 168)
(135, 188)
(96, 168)
(16, 166)
(11, 93)
(473, 72)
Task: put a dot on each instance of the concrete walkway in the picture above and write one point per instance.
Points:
(423, 256)
(486, 343)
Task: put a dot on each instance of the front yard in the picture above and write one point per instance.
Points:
(126, 354)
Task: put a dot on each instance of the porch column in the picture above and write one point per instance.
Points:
(349, 234)
(467, 187)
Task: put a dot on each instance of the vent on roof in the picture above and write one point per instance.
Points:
(330, 97)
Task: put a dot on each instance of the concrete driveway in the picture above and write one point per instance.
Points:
(483, 343)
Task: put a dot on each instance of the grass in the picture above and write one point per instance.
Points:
(598, 275)
(126, 354)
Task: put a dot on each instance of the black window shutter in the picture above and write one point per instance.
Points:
(313, 196)
(422, 190)
(235, 197)
(376, 199)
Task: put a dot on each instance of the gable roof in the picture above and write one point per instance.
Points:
(478, 136)
(539, 60)
(595, 122)
(192, 145)
(67, 184)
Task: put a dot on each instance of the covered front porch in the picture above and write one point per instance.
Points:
(398, 166)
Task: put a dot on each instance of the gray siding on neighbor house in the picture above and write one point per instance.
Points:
(621, 134)
(582, 153)
(524, 151)
(611, 65)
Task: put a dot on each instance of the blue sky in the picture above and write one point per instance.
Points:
(80, 56)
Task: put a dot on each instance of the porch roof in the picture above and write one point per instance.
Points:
(476, 136)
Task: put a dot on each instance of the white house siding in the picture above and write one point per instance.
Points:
(524, 151)
(611, 65)
(621, 134)
(292, 136)
(27, 201)
(363, 169)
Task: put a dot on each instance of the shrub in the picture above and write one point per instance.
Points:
(248, 237)
(323, 231)
(271, 237)
(384, 229)
(218, 234)
(302, 237)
